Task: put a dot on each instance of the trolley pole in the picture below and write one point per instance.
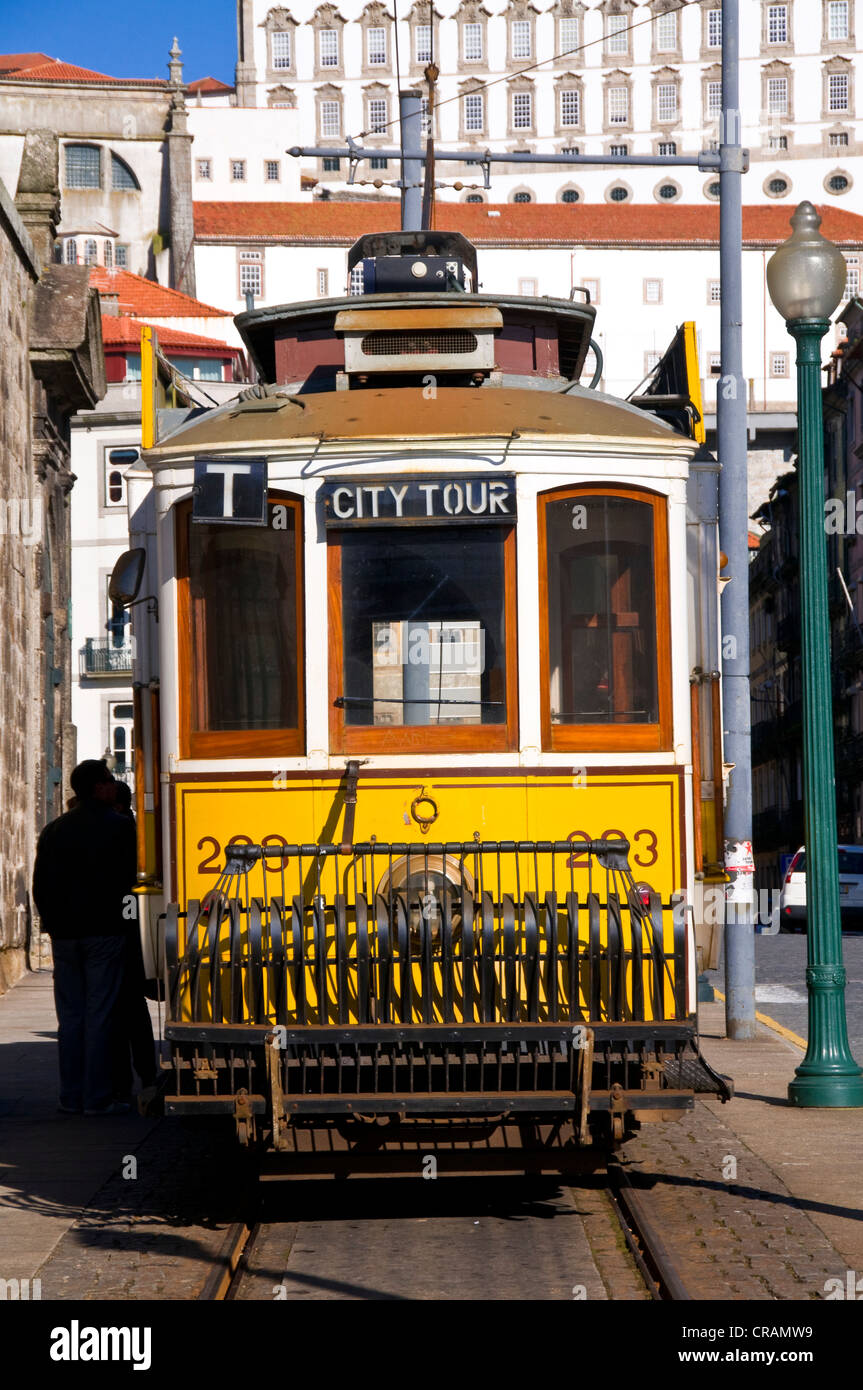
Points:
(731, 430)
(410, 113)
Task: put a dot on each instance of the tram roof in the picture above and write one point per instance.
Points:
(393, 414)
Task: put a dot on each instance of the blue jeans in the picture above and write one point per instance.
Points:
(88, 975)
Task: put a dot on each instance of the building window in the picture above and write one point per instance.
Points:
(652, 359)
(714, 100)
(667, 147)
(570, 106)
(616, 34)
(474, 198)
(522, 110)
(777, 187)
(777, 24)
(837, 20)
(714, 28)
(618, 105)
(617, 150)
(251, 273)
(474, 111)
(398, 596)
(331, 164)
(779, 364)
(570, 195)
(837, 183)
(592, 287)
(238, 170)
(714, 363)
(376, 162)
(323, 277)
(122, 178)
(529, 288)
(355, 284)
(281, 46)
(569, 34)
(838, 139)
(653, 291)
(377, 115)
(116, 461)
(109, 255)
(472, 43)
(604, 620)
(668, 192)
(121, 736)
(328, 48)
(331, 118)
(83, 166)
(272, 170)
(618, 194)
(666, 101)
(665, 31)
(422, 43)
(777, 96)
(777, 142)
(520, 37)
(837, 91)
(522, 196)
(204, 168)
(71, 251)
(376, 47)
(91, 252)
(121, 257)
(713, 292)
(852, 278)
(221, 573)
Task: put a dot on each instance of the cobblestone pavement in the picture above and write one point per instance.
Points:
(153, 1235)
(732, 1226)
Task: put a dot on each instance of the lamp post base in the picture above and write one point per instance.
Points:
(834, 1091)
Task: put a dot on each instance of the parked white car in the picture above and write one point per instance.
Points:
(791, 911)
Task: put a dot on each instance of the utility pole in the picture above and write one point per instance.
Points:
(731, 431)
(410, 110)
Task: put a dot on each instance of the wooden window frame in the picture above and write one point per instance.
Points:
(634, 738)
(239, 743)
(415, 738)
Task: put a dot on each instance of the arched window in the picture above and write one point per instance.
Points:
(522, 196)
(570, 195)
(71, 251)
(109, 255)
(122, 178)
(91, 252)
(604, 619)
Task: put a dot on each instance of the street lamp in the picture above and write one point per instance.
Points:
(806, 277)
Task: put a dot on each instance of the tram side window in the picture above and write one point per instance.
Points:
(605, 662)
(243, 623)
(424, 624)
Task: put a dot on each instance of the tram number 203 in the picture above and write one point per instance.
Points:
(644, 849)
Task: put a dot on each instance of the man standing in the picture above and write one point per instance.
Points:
(85, 867)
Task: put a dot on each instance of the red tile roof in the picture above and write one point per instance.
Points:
(141, 298)
(532, 224)
(125, 332)
(208, 84)
(38, 67)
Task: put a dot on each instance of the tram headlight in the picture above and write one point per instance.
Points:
(429, 884)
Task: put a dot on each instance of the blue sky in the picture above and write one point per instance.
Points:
(127, 41)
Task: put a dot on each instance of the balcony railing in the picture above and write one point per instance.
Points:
(100, 657)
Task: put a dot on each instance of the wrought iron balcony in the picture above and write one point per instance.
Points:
(101, 657)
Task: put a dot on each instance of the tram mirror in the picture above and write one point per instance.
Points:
(126, 577)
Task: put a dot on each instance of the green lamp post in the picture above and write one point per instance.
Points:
(806, 277)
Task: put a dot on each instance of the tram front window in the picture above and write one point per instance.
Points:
(423, 614)
(601, 610)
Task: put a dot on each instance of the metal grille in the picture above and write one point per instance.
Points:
(438, 341)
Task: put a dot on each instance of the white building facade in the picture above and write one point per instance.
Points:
(604, 78)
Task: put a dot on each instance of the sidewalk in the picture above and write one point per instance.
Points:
(51, 1165)
(763, 1200)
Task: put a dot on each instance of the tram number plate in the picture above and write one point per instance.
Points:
(644, 849)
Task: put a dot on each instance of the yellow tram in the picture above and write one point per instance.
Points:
(415, 770)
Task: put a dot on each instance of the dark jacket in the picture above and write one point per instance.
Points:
(85, 866)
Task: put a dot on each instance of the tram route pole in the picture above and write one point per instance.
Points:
(410, 110)
(731, 430)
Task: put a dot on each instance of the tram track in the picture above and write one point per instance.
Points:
(270, 1244)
